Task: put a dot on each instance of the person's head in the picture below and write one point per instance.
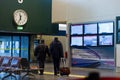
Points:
(56, 38)
(42, 41)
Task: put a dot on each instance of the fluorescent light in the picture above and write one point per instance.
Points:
(62, 27)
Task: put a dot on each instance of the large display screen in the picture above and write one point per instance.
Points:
(90, 29)
(76, 29)
(118, 37)
(106, 40)
(76, 41)
(118, 24)
(105, 27)
(90, 40)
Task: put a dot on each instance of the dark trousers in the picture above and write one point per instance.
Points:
(56, 63)
(41, 66)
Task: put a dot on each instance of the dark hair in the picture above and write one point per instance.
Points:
(56, 38)
(42, 41)
(93, 76)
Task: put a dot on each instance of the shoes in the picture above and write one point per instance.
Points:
(41, 74)
(56, 73)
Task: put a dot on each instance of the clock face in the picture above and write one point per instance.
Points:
(20, 17)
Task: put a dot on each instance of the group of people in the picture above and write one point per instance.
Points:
(55, 51)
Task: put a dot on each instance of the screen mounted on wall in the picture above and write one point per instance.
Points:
(105, 27)
(76, 29)
(90, 28)
(118, 37)
(90, 40)
(118, 24)
(106, 40)
(76, 41)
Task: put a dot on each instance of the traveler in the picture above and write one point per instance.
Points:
(40, 53)
(56, 50)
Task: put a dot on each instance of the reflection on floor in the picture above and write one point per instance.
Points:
(75, 73)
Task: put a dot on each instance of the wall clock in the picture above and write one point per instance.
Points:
(20, 17)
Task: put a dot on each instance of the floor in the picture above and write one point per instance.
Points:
(75, 73)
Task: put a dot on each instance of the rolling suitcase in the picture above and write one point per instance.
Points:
(64, 70)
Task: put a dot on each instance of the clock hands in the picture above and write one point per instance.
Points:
(20, 17)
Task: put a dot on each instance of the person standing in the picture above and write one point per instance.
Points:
(40, 53)
(56, 50)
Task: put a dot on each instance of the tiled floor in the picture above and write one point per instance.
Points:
(75, 73)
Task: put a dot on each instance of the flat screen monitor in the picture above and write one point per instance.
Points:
(90, 40)
(76, 41)
(118, 24)
(118, 37)
(76, 29)
(106, 40)
(105, 27)
(90, 29)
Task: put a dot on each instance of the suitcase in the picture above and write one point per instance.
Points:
(64, 70)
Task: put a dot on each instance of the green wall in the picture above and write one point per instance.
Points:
(39, 16)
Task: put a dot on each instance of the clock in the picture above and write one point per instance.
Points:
(20, 17)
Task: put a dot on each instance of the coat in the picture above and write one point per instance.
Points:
(40, 51)
(56, 49)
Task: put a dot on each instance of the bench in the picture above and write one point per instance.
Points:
(13, 66)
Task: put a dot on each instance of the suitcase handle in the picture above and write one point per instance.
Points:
(63, 60)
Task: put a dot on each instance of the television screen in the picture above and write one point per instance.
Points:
(76, 41)
(106, 27)
(118, 37)
(90, 40)
(90, 29)
(76, 29)
(106, 40)
(118, 24)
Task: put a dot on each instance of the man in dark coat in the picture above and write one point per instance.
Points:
(40, 53)
(56, 50)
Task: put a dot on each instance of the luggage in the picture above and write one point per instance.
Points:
(64, 70)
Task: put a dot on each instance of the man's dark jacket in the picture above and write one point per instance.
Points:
(56, 49)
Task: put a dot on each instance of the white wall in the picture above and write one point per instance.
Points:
(59, 8)
(74, 11)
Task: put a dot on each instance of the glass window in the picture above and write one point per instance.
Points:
(5, 46)
(16, 46)
(24, 46)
